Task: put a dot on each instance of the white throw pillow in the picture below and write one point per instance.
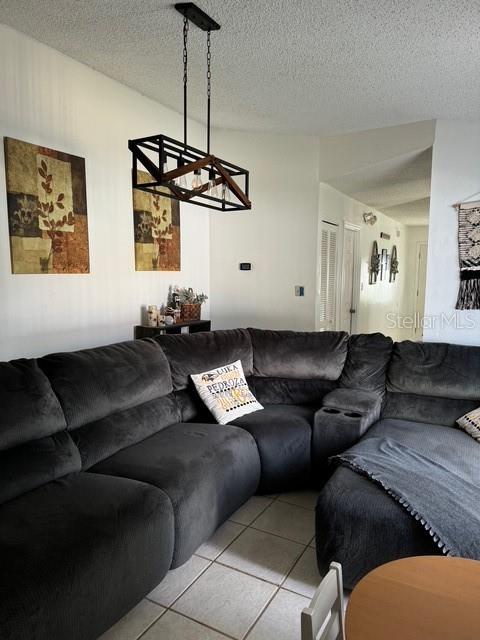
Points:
(470, 423)
(225, 392)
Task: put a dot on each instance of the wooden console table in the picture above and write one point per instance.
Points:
(422, 598)
(144, 331)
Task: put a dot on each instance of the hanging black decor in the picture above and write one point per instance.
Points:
(214, 183)
(374, 266)
(393, 264)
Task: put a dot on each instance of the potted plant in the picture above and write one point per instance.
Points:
(190, 303)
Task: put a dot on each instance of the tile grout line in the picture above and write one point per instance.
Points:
(210, 562)
(245, 573)
(202, 624)
(154, 622)
(295, 593)
(272, 500)
(293, 504)
(277, 535)
(262, 611)
(245, 527)
(293, 567)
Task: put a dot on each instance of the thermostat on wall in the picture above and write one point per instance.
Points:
(245, 266)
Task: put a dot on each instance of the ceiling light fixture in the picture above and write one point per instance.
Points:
(213, 183)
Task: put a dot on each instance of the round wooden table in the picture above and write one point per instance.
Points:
(424, 598)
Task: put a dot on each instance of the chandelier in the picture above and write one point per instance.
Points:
(179, 171)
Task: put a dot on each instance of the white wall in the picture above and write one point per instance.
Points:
(278, 236)
(51, 100)
(384, 297)
(455, 176)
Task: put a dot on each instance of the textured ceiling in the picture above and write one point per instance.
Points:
(410, 213)
(315, 66)
(398, 187)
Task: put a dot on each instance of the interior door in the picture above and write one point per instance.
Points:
(349, 288)
(421, 281)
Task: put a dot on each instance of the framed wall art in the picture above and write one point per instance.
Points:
(157, 230)
(47, 209)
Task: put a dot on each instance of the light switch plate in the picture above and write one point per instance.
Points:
(299, 290)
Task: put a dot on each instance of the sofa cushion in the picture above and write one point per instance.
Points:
(208, 471)
(283, 435)
(113, 396)
(94, 383)
(191, 353)
(299, 354)
(447, 445)
(101, 439)
(429, 409)
(367, 361)
(30, 409)
(34, 463)
(34, 445)
(435, 369)
(290, 390)
(78, 553)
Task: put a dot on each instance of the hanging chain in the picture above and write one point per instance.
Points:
(209, 88)
(185, 51)
(185, 77)
(209, 64)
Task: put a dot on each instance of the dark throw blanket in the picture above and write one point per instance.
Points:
(442, 498)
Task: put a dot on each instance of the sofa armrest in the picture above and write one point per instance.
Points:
(345, 416)
(357, 400)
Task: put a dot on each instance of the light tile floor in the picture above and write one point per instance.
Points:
(249, 581)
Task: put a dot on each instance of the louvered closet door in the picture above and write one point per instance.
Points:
(327, 277)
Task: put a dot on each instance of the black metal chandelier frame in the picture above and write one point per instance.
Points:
(154, 153)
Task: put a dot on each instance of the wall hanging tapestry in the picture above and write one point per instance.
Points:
(47, 209)
(157, 230)
(469, 255)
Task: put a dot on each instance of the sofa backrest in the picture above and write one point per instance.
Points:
(367, 362)
(190, 353)
(432, 382)
(282, 367)
(112, 396)
(34, 445)
(296, 366)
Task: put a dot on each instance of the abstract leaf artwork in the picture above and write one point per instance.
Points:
(157, 230)
(47, 209)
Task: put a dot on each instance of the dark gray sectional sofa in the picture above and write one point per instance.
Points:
(112, 471)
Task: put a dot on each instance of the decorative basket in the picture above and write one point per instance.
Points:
(190, 311)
